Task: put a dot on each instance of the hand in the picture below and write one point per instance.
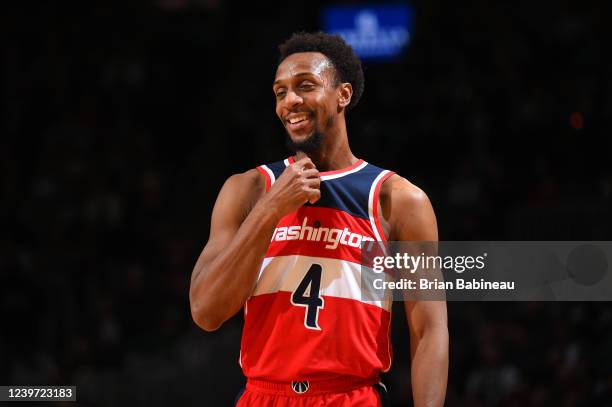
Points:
(298, 184)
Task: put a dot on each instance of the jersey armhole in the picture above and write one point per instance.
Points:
(267, 172)
(373, 201)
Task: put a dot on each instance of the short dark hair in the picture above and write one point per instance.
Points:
(346, 63)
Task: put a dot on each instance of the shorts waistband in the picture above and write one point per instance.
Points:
(308, 387)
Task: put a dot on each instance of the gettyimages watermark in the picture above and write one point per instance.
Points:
(486, 271)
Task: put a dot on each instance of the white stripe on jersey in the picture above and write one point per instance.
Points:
(270, 174)
(342, 174)
(334, 176)
(340, 278)
(371, 205)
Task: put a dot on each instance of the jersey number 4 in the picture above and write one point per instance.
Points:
(313, 301)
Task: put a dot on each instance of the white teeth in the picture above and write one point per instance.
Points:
(296, 119)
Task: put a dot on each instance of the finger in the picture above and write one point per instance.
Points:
(313, 183)
(305, 162)
(314, 195)
(310, 173)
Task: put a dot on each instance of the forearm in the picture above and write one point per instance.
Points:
(430, 367)
(222, 285)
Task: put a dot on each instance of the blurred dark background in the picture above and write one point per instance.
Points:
(121, 120)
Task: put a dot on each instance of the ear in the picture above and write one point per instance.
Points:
(345, 93)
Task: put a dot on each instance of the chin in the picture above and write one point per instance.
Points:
(307, 143)
(299, 139)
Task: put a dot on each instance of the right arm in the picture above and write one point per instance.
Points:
(226, 271)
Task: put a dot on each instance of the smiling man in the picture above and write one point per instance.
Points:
(284, 246)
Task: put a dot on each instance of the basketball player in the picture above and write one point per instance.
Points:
(284, 246)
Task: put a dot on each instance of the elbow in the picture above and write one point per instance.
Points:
(207, 324)
(436, 336)
(204, 319)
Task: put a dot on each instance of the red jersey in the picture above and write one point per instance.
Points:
(306, 319)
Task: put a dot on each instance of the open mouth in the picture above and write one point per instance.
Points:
(298, 121)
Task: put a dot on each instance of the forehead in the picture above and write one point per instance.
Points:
(303, 63)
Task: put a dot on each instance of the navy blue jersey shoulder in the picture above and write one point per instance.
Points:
(348, 192)
(277, 168)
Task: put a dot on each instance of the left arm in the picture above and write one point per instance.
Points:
(410, 217)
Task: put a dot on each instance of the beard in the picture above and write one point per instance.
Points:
(312, 143)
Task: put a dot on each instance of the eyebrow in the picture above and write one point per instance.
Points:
(294, 76)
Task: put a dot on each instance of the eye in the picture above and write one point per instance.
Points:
(280, 93)
(306, 86)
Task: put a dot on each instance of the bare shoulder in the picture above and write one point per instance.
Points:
(240, 193)
(398, 190)
(248, 181)
(407, 209)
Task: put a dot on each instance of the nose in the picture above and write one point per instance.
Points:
(292, 99)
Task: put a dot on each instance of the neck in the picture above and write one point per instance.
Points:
(334, 152)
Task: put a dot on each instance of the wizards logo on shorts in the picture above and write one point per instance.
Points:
(300, 387)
